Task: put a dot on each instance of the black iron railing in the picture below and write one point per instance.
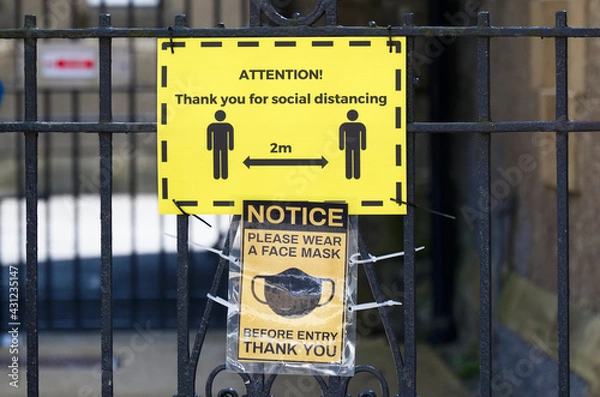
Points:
(259, 384)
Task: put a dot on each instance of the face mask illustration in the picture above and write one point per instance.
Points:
(292, 293)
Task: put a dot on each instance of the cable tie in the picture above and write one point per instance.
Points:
(171, 39)
(222, 302)
(372, 259)
(230, 258)
(373, 305)
(185, 213)
(398, 201)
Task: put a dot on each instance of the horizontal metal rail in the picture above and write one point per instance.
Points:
(303, 31)
(419, 128)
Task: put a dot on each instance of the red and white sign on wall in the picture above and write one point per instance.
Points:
(64, 62)
(76, 63)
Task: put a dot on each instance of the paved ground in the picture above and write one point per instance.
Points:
(523, 370)
(69, 366)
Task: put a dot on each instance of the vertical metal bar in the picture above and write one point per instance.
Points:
(187, 9)
(18, 7)
(183, 261)
(106, 332)
(409, 304)
(162, 274)
(255, 13)
(31, 197)
(75, 14)
(103, 7)
(184, 387)
(46, 13)
(130, 14)
(485, 221)
(160, 9)
(562, 209)
(217, 14)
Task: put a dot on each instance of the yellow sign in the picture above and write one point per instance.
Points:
(295, 118)
(293, 290)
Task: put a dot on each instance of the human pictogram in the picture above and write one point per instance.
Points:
(353, 139)
(220, 142)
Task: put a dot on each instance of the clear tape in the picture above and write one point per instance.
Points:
(373, 259)
(373, 305)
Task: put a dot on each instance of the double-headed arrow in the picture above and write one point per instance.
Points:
(284, 162)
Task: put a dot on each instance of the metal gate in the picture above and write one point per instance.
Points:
(262, 13)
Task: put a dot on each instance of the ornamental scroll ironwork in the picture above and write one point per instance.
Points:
(259, 385)
(327, 8)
